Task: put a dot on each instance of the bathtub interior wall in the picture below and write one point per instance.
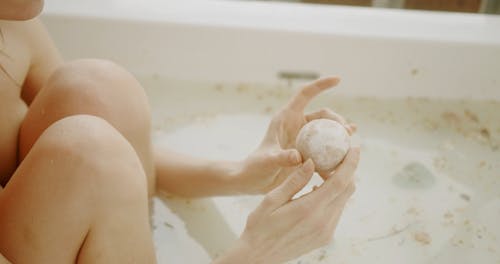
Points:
(377, 52)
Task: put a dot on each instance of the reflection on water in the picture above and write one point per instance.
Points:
(428, 184)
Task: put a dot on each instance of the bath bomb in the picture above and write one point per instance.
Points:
(324, 141)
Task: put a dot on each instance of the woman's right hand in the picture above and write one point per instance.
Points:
(281, 229)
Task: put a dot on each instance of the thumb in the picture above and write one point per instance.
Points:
(285, 158)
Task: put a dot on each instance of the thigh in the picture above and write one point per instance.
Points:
(58, 206)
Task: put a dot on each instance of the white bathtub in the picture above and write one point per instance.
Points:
(424, 89)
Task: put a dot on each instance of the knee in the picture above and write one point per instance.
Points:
(99, 87)
(92, 152)
(82, 135)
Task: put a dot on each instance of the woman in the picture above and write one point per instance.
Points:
(77, 173)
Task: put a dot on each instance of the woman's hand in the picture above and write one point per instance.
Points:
(281, 229)
(276, 156)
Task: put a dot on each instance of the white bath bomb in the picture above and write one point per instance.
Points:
(324, 141)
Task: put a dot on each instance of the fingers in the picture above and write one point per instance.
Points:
(292, 185)
(306, 94)
(336, 207)
(285, 158)
(339, 180)
(348, 166)
(340, 201)
(329, 114)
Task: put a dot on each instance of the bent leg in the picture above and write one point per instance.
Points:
(79, 195)
(94, 87)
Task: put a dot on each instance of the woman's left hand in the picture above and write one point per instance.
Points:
(274, 159)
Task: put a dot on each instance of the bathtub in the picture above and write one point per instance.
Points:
(423, 87)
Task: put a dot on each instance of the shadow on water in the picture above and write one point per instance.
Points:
(203, 222)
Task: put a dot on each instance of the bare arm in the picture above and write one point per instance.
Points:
(45, 59)
(184, 175)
